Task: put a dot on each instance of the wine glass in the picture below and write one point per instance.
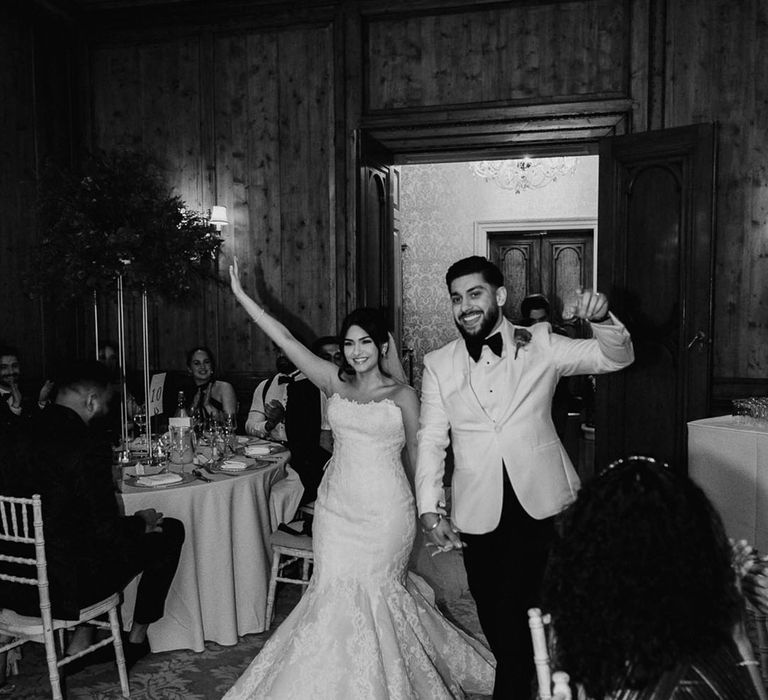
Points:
(139, 429)
(230, 430)
(161, 452)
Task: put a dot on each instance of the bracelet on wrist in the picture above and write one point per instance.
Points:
(436, 523)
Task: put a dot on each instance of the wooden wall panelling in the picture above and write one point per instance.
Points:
(306, 173)
(247, 181)
(341, 153)
(17, 148)
(715, 72)
(640, 63)
(501, 54)
(349, 120)
(147, 97)
(36, 126)
(172, 114)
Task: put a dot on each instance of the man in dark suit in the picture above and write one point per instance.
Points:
(307, 433)
(92, 550)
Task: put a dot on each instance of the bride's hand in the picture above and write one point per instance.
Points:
(234, 277)
(442, 535)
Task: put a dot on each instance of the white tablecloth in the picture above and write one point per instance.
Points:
(220, 587)
(730, 463)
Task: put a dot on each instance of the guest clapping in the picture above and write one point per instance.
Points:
(13, 406)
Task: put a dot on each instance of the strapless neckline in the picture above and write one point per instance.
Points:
(387, 401)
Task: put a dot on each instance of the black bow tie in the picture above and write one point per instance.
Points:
(475, 346)
(286, 379)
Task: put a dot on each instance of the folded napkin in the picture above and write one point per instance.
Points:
(255, 450)
(233, 465)
(159, 479)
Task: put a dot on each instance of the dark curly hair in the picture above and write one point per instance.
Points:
(639, 578)
(372, 321)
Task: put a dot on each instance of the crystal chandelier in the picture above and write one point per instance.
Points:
(525, 173)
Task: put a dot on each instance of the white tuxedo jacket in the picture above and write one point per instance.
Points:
(522, 436)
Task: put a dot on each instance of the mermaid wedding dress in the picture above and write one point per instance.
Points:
(365, 629)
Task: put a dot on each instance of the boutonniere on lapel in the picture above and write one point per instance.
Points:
(522, 337)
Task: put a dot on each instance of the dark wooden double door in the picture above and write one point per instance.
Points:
(548, 262)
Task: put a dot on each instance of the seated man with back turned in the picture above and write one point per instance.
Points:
(92, 550)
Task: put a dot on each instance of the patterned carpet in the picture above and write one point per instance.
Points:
(183, 675)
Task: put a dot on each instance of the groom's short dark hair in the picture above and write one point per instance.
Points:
(469, 266)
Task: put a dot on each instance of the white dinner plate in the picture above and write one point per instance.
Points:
(185, 479)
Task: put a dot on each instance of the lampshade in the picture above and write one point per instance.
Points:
(218, 216)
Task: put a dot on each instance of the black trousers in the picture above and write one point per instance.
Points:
(155, 557)
(505, 568)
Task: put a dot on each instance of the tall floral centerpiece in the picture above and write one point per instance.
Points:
(115, 225)
(118, 217)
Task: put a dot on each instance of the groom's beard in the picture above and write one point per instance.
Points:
(490, 319)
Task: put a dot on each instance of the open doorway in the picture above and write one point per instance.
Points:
(450, 210)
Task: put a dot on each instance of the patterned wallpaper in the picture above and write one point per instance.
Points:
(439, 205)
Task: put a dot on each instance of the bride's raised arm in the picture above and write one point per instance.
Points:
(319, 371)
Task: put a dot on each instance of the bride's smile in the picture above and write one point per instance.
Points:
(360, 350)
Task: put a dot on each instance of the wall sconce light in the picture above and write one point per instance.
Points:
(218, 217)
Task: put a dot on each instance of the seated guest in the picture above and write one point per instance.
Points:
(327, 347)
(108, 356)
(642, 591)
(307, 431)
(208, 396)
(266, 417)
(534, 309)
(92, 551)
(14, 407)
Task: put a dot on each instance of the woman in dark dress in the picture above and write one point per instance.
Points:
(210, 396)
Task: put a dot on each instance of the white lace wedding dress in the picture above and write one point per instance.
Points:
(365, 629)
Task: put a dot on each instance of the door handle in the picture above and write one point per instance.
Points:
(700, 337)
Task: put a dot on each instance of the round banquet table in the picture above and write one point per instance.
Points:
(220, 588)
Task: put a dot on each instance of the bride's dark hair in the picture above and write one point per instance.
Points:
(373, 323)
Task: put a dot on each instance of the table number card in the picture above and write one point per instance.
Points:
(156, 394)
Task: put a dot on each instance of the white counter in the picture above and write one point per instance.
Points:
(730, 463)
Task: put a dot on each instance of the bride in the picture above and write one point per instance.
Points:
(365, 629)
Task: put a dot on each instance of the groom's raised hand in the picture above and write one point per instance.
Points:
(591, 305)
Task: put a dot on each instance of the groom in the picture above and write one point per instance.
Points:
(493, 390)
